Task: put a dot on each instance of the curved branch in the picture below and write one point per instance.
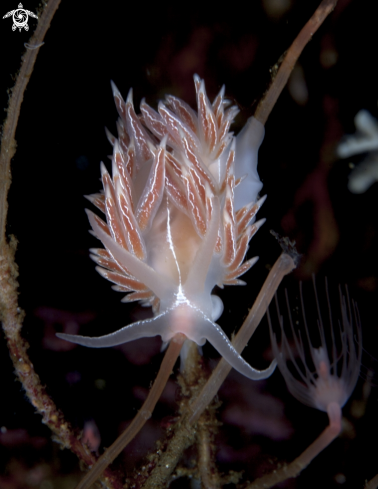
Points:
(10, 314)
(291, 56)
(140, 419)
(8, 143)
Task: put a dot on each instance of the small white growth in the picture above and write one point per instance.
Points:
(365, 141)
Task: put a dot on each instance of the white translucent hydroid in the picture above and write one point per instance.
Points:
(365, 140)
(180, 211)
(325, 375)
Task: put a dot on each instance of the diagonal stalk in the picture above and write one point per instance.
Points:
(183, 436)
(8, 143)
(280, 78)
(10, 314)
(296, 466)
(284, 265)
(143, 415)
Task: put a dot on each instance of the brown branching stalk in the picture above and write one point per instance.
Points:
(143, 415)
(8, 143)
(283, 266)
(10, 314)
(294, 468)
(185, 430)
(206, 452)
(193, 379)
(281, 71)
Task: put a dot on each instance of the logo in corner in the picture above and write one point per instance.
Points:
(20, 18)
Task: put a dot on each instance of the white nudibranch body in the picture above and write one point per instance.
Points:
(180, 210)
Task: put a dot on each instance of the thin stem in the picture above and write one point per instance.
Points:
(284, 265)
(184, 434)
(140, 419)
(295, 468)
(10, 314)
(8, 143)
(206, 456)
(280, 78)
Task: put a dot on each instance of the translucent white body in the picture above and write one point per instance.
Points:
(365, 140)
(322, 377)
(180, 209)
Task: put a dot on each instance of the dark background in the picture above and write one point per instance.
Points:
(61, 141)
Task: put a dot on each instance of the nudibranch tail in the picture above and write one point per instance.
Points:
(248, 142)
(180, 209)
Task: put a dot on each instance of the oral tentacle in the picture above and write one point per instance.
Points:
(215, 335)
(134, 331)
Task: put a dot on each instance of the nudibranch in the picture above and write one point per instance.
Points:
(180, 211)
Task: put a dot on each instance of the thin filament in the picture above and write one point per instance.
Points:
(296, 466)
(140, 419)
(279, 81)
